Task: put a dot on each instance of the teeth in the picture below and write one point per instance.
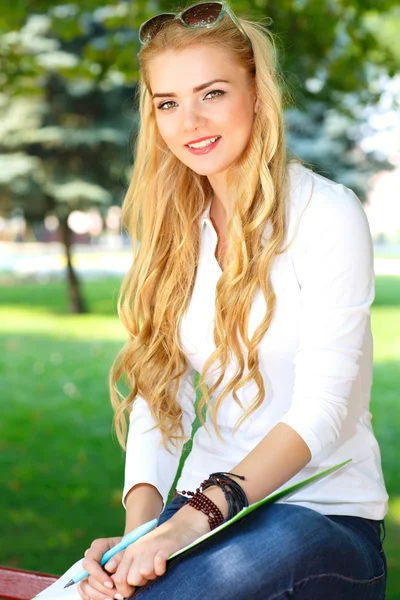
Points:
(204, 143)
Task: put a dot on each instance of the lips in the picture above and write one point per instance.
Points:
(201, 139)
(206, 149)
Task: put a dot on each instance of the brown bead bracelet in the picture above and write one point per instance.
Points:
(203, 503)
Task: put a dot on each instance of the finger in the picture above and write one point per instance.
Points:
(99, 546)
(160, 564)
(88, 592)
(117, 595)
(141, 566)
(120, 577)
(112, 565)
(97, 572)
(144, 569)
(107, 590)
(81, 592)
(135, 578)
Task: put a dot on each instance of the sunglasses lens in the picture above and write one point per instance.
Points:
(202, 15)
(151, 27)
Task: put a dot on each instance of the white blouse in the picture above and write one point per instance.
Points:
(316, 361)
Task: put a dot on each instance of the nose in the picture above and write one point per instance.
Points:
(192, 118)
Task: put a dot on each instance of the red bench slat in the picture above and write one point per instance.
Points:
(16, 584)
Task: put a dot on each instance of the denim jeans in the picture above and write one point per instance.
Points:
(278, 552)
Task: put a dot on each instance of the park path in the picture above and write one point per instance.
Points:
(46, 260)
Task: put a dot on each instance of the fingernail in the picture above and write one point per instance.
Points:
(108, 585)
(118, 597)
(111, 564)
(107, 598)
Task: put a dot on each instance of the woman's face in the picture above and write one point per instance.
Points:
(202, 93)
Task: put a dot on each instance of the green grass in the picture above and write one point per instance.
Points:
(61, 470)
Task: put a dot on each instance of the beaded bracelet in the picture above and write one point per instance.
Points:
(203, 503)
(235, 497)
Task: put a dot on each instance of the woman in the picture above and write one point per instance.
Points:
(266, 269)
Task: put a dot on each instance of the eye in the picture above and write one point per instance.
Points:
(168, 105)
(165, 105)
(217, 92)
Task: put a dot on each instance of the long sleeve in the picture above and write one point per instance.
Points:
(147, 460)
(336, 294)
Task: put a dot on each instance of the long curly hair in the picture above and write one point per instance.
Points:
(161, 212)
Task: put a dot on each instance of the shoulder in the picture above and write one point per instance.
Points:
(317, 204)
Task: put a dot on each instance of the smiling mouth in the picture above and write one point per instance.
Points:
(203, 143)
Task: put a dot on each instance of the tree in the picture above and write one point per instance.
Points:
(74, 68)
(64, 146)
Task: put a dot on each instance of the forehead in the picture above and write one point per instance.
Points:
(182, 70)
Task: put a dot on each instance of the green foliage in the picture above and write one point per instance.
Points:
(332, 39)
(385, 27)
(79, 61)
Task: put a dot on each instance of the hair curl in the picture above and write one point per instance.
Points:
(161, 213)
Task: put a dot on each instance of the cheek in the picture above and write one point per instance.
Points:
(166, 130)
(162, 129)
(237, 119)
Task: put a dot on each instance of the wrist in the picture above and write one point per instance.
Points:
(192, 519)
(217, 495)
(196, 518)
(218, 498)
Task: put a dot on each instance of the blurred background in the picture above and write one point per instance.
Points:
(68, 119)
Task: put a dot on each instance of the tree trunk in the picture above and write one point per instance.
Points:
(76, 301)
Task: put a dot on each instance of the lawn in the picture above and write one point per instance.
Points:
(61, 470)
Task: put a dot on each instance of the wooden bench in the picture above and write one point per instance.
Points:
(16, 584)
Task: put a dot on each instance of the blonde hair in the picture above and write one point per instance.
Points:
(161, 211)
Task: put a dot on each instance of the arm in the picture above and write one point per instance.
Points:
(337, 290)
(143, 503)
(277, 458)
(149, 473)
(149, 468)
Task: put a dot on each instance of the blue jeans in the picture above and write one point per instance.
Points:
(278, 552)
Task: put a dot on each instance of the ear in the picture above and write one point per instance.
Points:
(256, 104)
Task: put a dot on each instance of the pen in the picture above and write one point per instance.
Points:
(128, 539)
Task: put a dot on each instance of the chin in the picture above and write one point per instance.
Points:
(210, 172)
(207, 170)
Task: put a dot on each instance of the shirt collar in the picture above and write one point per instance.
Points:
(205, 219)
(206, 213)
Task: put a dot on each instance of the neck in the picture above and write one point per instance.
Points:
(221, 204)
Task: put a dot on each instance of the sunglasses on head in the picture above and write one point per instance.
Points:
(203, 14)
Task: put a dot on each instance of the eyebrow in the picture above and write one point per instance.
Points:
(198, 88)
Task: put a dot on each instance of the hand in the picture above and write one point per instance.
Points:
(146, 559)
(99, 585)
